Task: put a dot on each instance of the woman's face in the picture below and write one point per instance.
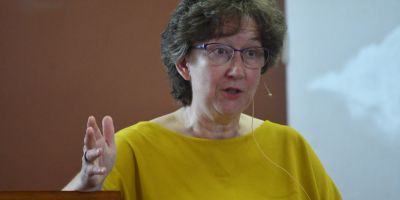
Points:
(229, 88)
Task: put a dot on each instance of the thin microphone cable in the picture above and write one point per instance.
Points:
(266, 156)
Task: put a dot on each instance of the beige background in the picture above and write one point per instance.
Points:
(61, 61)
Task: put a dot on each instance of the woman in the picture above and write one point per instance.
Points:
(215, 52)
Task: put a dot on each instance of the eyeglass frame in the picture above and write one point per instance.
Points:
(205, 45)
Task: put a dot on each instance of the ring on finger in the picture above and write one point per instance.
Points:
(84, 156)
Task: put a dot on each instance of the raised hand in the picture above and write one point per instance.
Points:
(98, 156)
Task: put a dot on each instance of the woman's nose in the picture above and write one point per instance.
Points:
(236, 67)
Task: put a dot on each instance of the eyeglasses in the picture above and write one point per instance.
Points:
(219, 54)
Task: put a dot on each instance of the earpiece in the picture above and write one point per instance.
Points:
(266, 88)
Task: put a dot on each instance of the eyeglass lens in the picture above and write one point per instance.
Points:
(253, 57)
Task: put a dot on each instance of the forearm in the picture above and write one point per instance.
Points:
(76, 184)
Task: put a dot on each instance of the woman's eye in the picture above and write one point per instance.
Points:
(251, 53)
(220, 51)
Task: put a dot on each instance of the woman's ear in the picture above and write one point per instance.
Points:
(183, 69)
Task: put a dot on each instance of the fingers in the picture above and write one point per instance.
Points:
(93, 133)
(89, 140)
(94, 170)
(91, 155)
(92, 123)
(108, 130)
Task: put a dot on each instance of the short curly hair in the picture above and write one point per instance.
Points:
(201, 20)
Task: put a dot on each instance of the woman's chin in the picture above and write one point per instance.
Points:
(231, 109)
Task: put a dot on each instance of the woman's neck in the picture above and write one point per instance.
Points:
(210, 126)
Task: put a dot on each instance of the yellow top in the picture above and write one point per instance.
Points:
(155, 163)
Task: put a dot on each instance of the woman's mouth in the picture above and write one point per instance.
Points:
(232, 93)
(232, 90)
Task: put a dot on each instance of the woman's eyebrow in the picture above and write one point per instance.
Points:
(228, 41)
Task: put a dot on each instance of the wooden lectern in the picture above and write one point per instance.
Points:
(59, 195)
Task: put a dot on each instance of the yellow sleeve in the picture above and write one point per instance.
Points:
(122, 176)
(307, 168)
(326, 188)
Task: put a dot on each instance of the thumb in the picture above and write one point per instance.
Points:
(108, 131)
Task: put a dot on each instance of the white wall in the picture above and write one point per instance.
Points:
(344, 90)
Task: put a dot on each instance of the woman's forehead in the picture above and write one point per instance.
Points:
(247, 27)
(226, 29)
(245, 23)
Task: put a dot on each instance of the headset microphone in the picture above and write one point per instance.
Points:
(266, 88)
